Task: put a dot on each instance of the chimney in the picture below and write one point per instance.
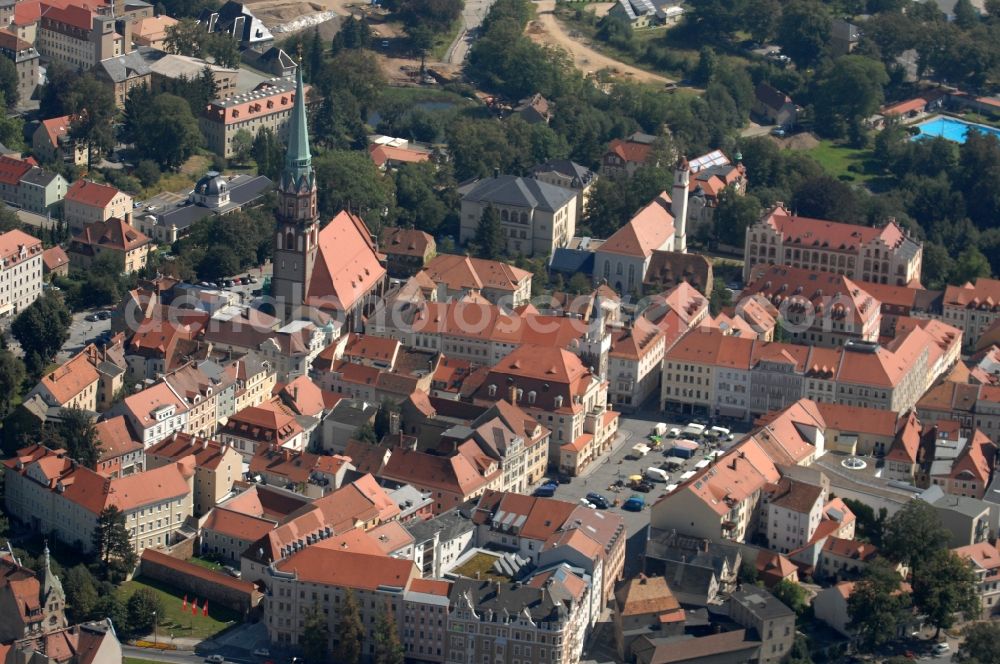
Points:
(295, 393)
(513, 394)
(286, 454)
(704, 545)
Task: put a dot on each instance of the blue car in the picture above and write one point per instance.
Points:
(546, 491)
(635, 503)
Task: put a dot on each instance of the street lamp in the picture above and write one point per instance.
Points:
(154, 628)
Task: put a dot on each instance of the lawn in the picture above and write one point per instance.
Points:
(177, 621)
(480, 566)
(842, 162)
(207, 564)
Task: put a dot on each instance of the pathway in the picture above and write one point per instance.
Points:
(546, 29)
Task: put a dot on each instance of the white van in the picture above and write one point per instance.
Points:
(657, 474)
(673, 433)
(660, 429)
(720, 433)
(694, 429)
(640, 449)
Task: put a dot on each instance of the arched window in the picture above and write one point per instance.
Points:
(524, 217)
(619, 269)
(503, 215)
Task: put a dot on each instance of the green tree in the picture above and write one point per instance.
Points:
(971, 265)
(76, 433)
(707, 62)
(111, 543)
(144, 609)
(350, 631)
(348, 180)
(185, 38)
(876, 605)
(761, 19)
(981, 644)
(966, 16)
(268, 154)
(242, 146)
(383, 418)
(419, 197)
(366, 434)
(219, 261)
(913, 534)
(733, 215)
(315, 639)
(12, 374)
(81, 593)
(747, 572)
(148, 172)
(945, 585)
(110, 606)
(41, 330)
(165, 131)
(92, 105)
(847, 92)
(489, 240)
(826, 197)
(388, 649)
(791, 595)
(869, 523)
(804, 31)
(8, 82)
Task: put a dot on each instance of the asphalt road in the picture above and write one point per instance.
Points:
(473, 14)
(171, 656)
(81, 332)
(599, 476)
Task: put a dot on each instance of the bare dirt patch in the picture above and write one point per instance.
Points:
(803, 141)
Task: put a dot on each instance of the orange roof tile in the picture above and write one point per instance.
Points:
(649, 229)
(12, 170)
(66, 382)
(332, 567)
(90, 193)
(347, 267)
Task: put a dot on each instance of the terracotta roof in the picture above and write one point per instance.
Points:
(347, 266)
(24, 588)
(635, 342)
(712, 347)
(466, 272)
(90, 193)
(56, 128)
(12, 243)
(115, 439)
(983, 294)
(669, 268)
(54, 257)
(268, 422)
(795, 496)
(630, 151)
(821, 289)
(66, 382)
(405, 242)
(431, 587)
(853, 549)
(976, 459)
(239, 526)
(325, 565)
(12, 170)
(983, 554)
(197, 571)
(830, 235)
(296, 467)
(72, 15)
(542, 517)
(111, 233)
(649, 229)
(142, 404)
(153, 28)
(903, 107)
(847, 419)
(207, 453)
(458, 473)
(304, 396)
(382, 154)
(370, 347)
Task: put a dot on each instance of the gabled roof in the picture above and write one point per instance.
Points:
(468, 273)
(115, 439)
(830, 235)
(630, 151)
(54, 257)
(347, 266)
(12, 170)
(90, 193)
(649, 229)
(66, 382)
(112, 233)
(771, 97)
(405, 242)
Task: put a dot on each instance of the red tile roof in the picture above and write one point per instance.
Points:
(111, 233)
(984, 294)
(236, 525)
(90, 193)
(54, 257)
(382, 154)
(73, 377)
(12, 170)
(405, 242)
(115, 439)
(830, 235)
(347, 267)
(56, 128)
(648, 230)
(466, 272)
(630, 151)
(323, 564)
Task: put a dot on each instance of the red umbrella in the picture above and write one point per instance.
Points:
(204, 610)
(184, 606)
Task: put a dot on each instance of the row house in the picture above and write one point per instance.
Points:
(634, 364)
(54, 495)
(29, 187)
(312, 475)
(268, 106)
(120, 453)
(271, 424)
(821, 308)
(237, 522)
(209, 392)
(20, 272)
(553, 386)
(450, 480)
(29, 605)
(216, 466)
(406, 250)
(883, 255)
(153, 413)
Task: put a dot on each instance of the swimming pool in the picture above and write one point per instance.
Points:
(952, 129)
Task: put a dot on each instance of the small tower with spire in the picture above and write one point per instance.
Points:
(679, 203)
(53, 598)
(296, 234)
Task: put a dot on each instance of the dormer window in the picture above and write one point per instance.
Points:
(492, 389)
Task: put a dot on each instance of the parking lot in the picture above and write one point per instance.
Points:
(83, 332)
(601, 475)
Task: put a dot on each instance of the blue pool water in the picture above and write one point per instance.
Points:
(952, 129)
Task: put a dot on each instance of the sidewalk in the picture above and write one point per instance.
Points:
(621, 438)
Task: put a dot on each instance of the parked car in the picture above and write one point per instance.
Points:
(545, 491)
(91, 318)
(253, 280)
(941, 648)
(215, 659)
(262, 652)
(599, 501)
(644, 487)
(104, 315)
(635, 503)
(778, 131)
(587, 503)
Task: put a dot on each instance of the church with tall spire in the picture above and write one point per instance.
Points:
(333, 268)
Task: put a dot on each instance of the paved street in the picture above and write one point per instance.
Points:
(633, 428)
(473, 14)
(81, 332)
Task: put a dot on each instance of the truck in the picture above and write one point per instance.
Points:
(694, 430)
(719, 433)
(657, 474)
(660, 429)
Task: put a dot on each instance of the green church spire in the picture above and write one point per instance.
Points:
(298, 160)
